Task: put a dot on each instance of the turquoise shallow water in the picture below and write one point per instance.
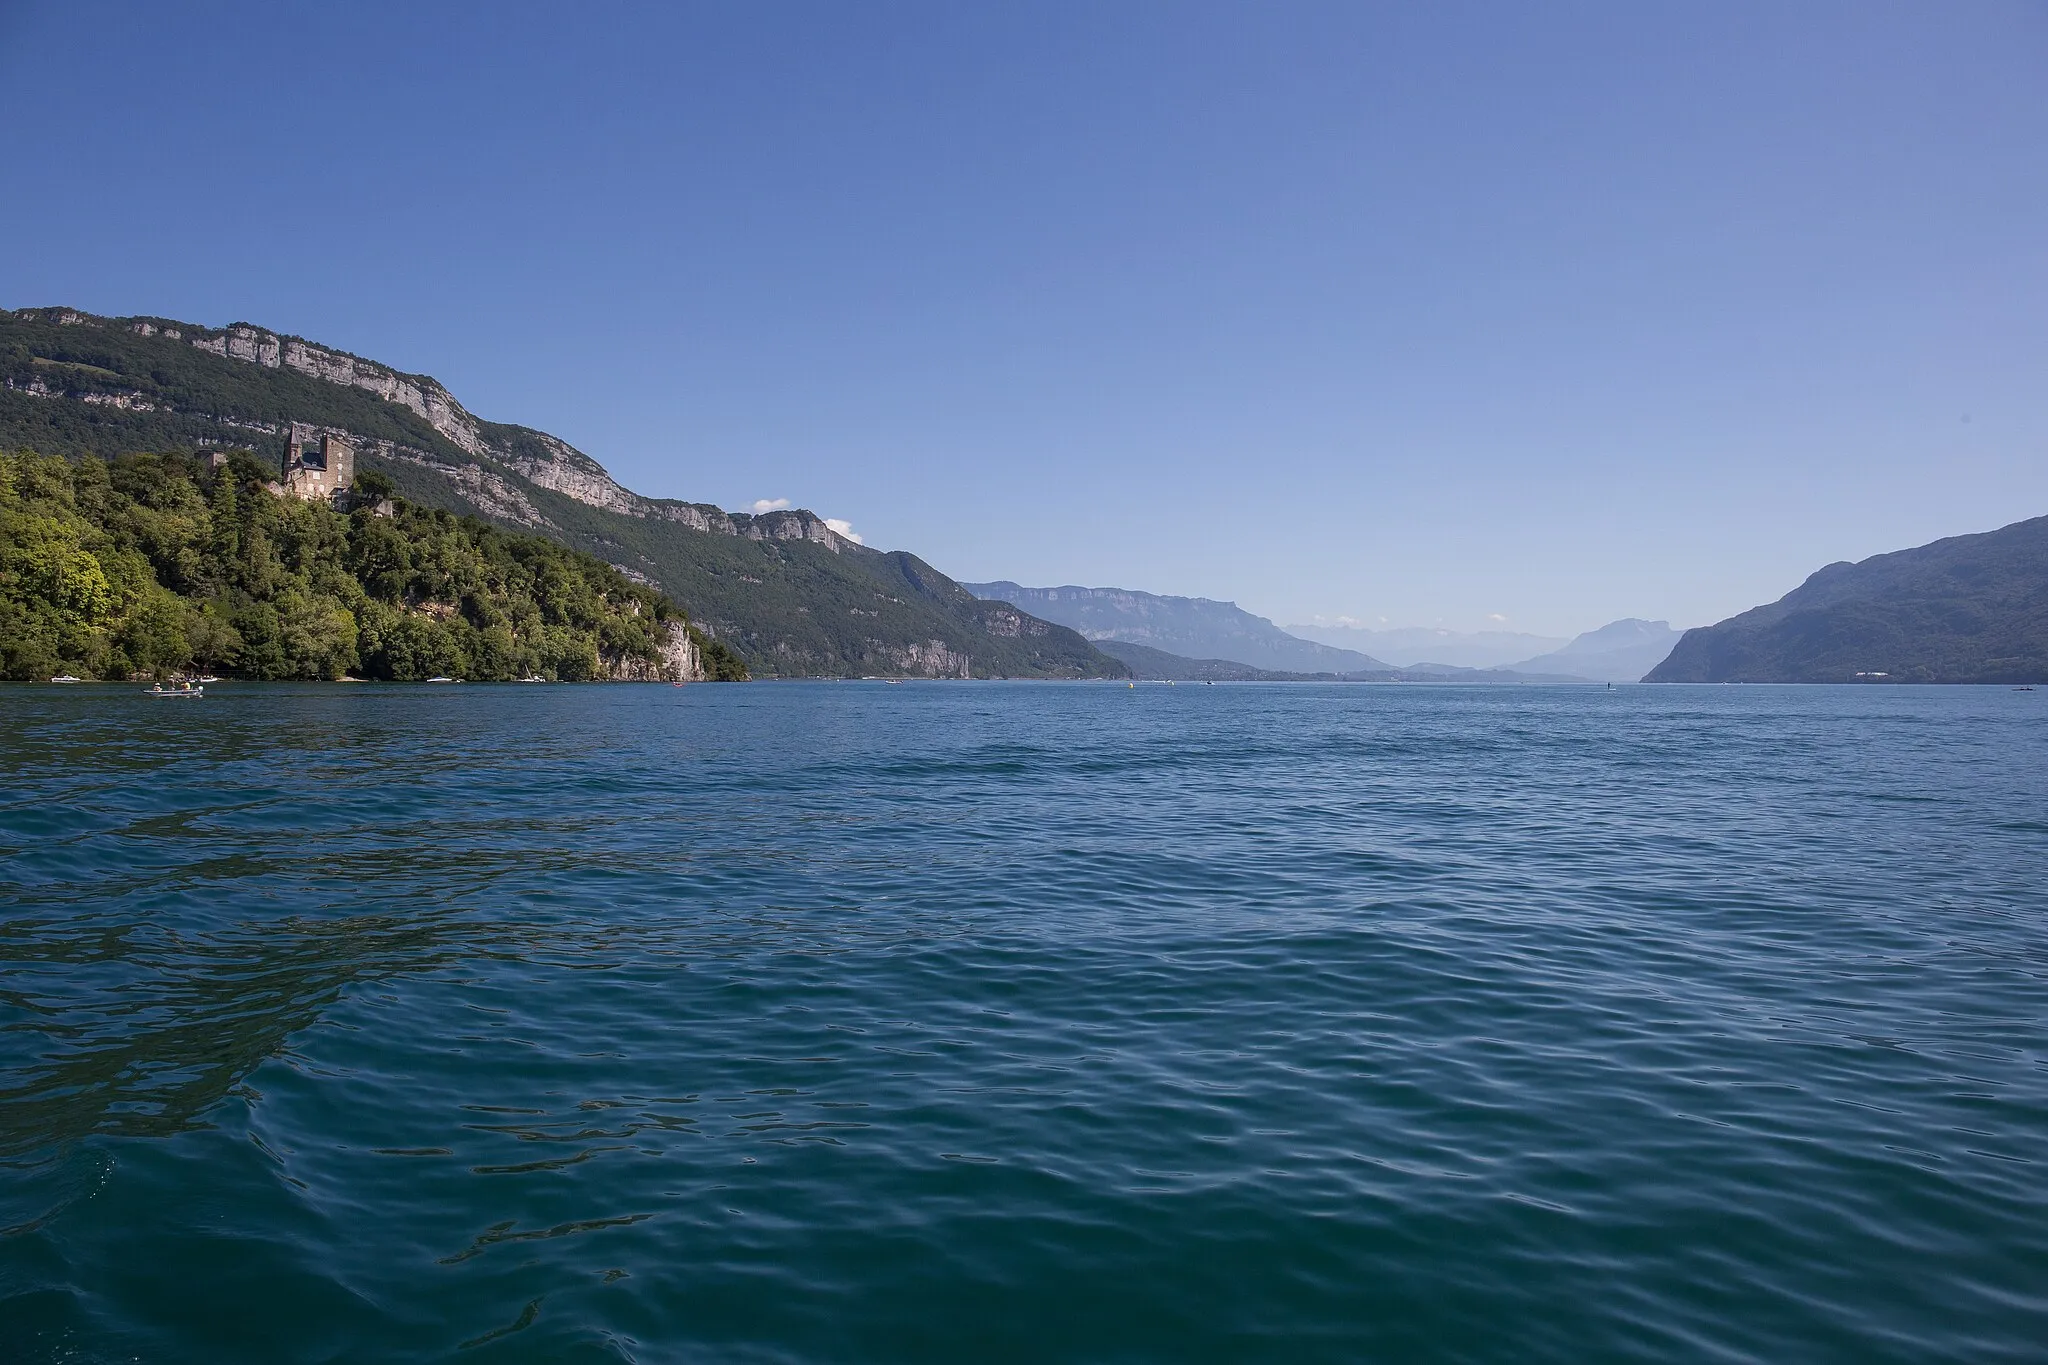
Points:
(987, 1022)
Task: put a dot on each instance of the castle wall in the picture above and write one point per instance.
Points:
(317, 464)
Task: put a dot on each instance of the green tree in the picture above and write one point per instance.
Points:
(156, 562)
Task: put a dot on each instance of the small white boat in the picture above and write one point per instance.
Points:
(535, 678)
(65, 678)
(187, 690)
(450, 680)
(209, 678)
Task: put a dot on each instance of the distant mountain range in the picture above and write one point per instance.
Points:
(1969, 609)
(1196, 638)
(1620, 651)
(1147, 662)
(786, 591)
(794, 597)
(1412, 646)
(1191, 627)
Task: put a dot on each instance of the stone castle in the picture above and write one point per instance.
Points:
(317, 464)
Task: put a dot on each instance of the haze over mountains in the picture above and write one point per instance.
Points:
(1412, 646)
(1195, 637)
(1620, 651)
(1192, 627)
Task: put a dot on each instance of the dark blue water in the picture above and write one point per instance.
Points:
(983, 1022)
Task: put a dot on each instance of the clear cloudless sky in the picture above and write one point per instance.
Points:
(1514, 314)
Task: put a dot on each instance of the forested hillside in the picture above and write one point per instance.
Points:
(151, 564)
(791, 596)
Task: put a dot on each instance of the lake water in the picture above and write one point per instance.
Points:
(1011, 1022)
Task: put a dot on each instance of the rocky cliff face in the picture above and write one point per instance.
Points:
(929, 659)
(680, 661)
(421, 395)
(546, 460)
(1005, 622)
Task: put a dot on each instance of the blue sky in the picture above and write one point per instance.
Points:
(1474, 315)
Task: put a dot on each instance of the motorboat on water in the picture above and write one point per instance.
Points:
(181, 690)
(535, 678)
(447, 680)
(66, 678)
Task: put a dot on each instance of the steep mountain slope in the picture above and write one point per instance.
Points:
(785, 590)
(1620, 651)
(1969, 609)
(1192, 627)
(1413, 646)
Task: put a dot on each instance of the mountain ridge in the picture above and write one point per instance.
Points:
(783, 588)
(1963, 609)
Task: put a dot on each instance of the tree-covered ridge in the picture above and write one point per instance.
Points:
(150, 564)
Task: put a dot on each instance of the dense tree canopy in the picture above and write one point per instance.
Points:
(152, 564)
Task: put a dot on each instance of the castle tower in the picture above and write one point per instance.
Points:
(317, 464)
(341, 462)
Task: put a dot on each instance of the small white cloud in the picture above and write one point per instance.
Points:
(844, 528)
(769, 505)
(1496, 616)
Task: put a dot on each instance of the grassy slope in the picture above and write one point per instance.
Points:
(792, 607)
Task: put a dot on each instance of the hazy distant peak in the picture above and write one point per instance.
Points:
(1616, 634)
(1193, 627)
(1620, 651)
(1411, 646)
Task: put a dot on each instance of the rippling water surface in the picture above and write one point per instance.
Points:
(990, 1022)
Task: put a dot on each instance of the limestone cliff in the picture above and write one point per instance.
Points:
(546, 460)
(680, 660)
